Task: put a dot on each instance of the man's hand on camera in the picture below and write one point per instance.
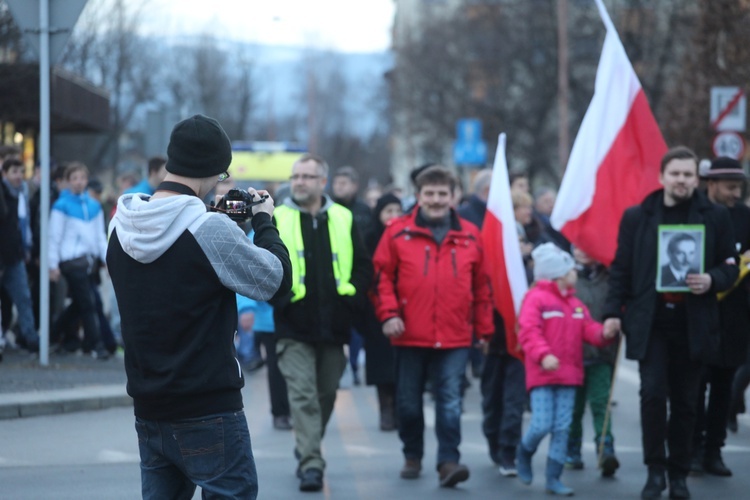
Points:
(266, 206)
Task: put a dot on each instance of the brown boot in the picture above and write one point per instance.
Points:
(412, 468)
(451, 473)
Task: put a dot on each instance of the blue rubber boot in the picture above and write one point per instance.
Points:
(523, 464)
(553, 473)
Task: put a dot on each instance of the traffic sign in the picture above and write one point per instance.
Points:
(469, 148)
(729, 144)
(63, 15)
(728, 109)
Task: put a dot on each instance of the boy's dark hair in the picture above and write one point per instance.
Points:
(155, 163)
(75, 166)
(679, 153)
(58, 173)
(12, 162)
(436, 174)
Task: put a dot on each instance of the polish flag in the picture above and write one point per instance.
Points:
(615, 159)
(503, 251)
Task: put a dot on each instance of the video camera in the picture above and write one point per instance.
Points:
(237, 204)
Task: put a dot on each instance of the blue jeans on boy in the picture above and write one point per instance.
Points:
(213, 452)
(447, 368)
(16, 284)
(551, 413)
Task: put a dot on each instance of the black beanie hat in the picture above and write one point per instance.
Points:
(384, 201)
(198, 147)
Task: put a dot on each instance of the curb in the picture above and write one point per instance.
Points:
(51, 402)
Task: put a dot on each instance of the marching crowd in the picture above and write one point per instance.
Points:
(407, 280)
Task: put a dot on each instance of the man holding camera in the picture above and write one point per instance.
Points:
(331, 273)
(175, 270)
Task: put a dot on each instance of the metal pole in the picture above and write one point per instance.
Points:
(44, 151)
(563, 135)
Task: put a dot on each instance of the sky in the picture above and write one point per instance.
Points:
(343, 25)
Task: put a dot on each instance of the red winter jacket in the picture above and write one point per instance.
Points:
(553, 323)
(441, 292)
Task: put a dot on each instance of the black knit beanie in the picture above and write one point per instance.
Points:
(198, 147)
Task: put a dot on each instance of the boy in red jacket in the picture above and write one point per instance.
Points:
(553, 326)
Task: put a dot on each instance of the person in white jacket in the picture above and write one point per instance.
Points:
(77, 247)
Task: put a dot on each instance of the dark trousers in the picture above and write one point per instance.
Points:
(276, 382)
(668, 373)
(503, 400)
(83, 291)
(740, 383)
(446, 367)
(711, 420)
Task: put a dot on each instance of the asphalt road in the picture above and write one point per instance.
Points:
(94, 455)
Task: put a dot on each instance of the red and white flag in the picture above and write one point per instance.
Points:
(503, 251)
(615, 159)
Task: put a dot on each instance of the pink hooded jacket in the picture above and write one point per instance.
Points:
(555, 323)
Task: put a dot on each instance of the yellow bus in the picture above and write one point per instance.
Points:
(263, 161)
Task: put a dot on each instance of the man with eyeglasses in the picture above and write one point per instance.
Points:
(176, 269)
(330, 275)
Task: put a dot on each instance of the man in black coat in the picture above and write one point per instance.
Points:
(669, 333)
(725, 182)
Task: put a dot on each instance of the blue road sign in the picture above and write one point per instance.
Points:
(469, 148)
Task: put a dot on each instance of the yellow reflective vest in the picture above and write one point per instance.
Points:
(289, 224)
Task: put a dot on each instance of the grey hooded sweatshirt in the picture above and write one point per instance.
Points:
(175, 269)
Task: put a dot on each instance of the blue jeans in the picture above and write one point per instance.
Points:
(213, 452)
(16, 283)
(447, 368)
(551, 413)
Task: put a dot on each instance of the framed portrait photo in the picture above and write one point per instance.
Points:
(681, 252)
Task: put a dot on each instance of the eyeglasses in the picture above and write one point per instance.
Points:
(223, 176)
(303, 177)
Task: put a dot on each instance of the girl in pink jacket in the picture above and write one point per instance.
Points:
(553, 326)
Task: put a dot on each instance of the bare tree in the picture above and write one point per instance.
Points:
(106, 48)
(10, 36)
(211, 79)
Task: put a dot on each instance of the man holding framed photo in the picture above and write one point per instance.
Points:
(670, 330)
(683, 256)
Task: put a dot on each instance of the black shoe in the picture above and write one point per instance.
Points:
(696, 465)
(732, 423)
(655, 484)
(282, 423)
(312, 480)
(101, 354)
(716, 467)
(678, 488)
